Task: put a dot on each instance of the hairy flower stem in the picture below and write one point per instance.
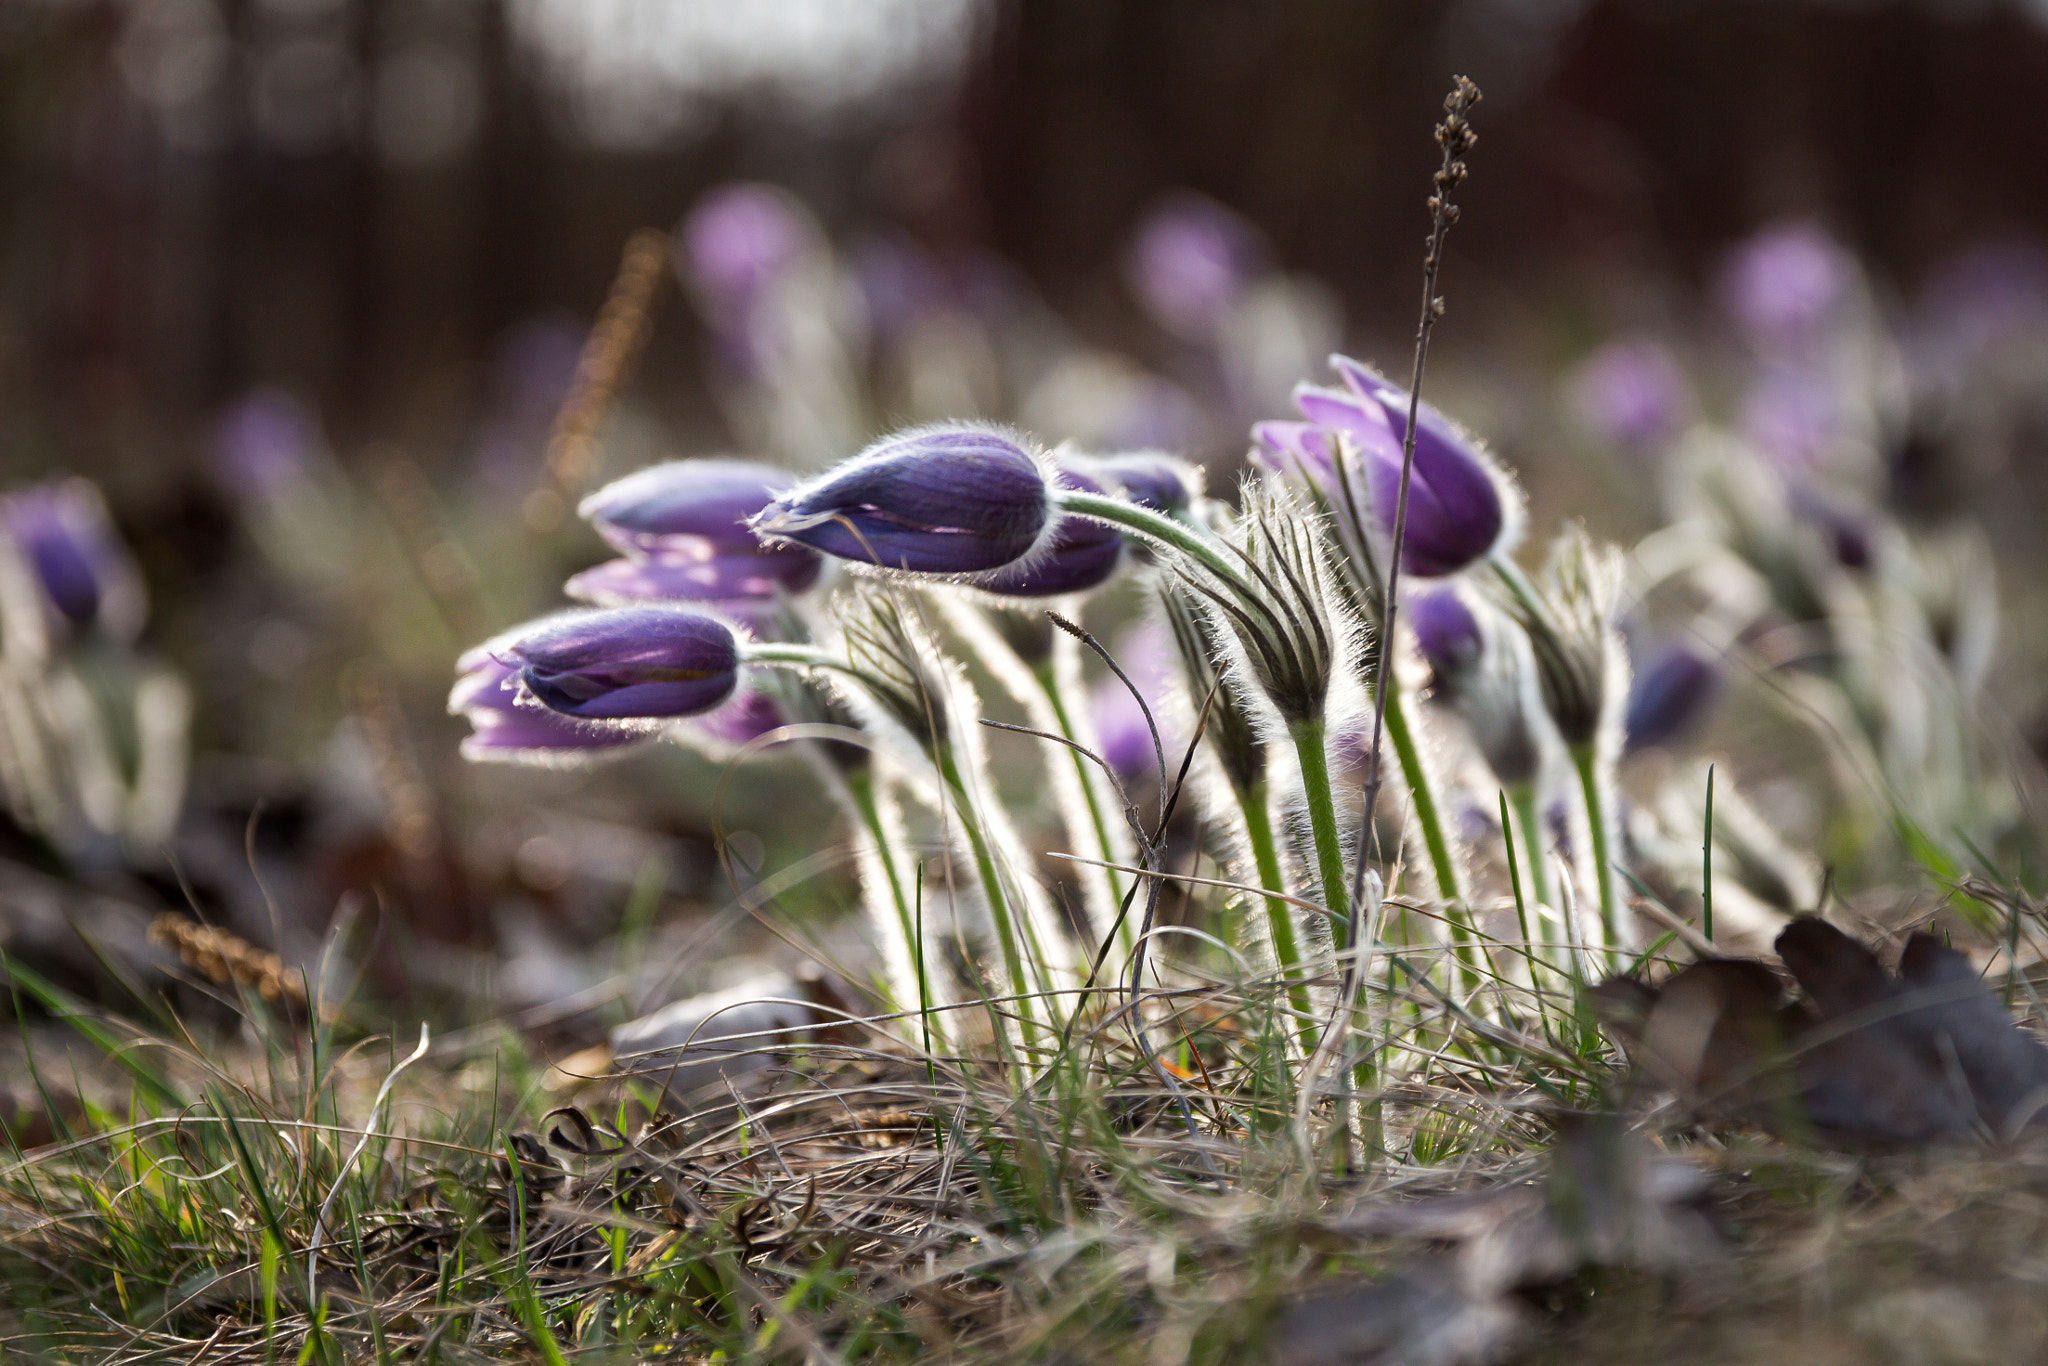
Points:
(906, 963)
(1011, 944)
(1424, 796)
(1158, 530)
(1258, 829)
(1309, 745)
(1587, 762)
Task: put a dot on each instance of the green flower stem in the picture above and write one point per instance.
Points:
(1309, 738)
(1157, 530)
(1258, 825)
(1587, 762)
(1090, 779)
(1523, 798)
(1420, 792)
(1013, 948)
(861, 795)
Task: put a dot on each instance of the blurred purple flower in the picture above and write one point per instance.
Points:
(264, 445)
(68, 542)
(1671, 692)
(740, 721)
(738, 240)
(1460, 509)
(1982, 296)
(486, 694)
(1146, 653)
(950, 499)
(1446, 631)
(1152, 479)
(1793, 414)
(1785, 281)
(685, 578)
(693, 507)
(1189, 263)
(1630, 393)
(899, 284)
(625, 663)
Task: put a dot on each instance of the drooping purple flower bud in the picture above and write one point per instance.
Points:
(932, 500)
(1630, 393)
(1669, 694)
(1189, 264)
(745, 718)
(486, 694)
(1080, 554)
(1447, 632)
(685, 506)
(1783, 282)
(68, 542)
(623, 663)
(1152, 479)
(684, 578)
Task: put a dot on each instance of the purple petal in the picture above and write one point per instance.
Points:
(683, 503)
(675, 578)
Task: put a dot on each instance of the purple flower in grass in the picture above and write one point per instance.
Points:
(1674, 689)
(1190, 262)
(1461, 508)
(626, 663)
(932, 500)
(685, 506)
(738, 240)
(1782, 283)
(684, 578)
(487, 696)
(68, 542)
(1631, 393)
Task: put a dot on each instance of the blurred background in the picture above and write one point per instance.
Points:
(302, 287)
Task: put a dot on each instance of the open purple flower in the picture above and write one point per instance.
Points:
(691, 507)
(68, 542)
(1460, 506)
(931, 500)
(487, 696)
(626, 663)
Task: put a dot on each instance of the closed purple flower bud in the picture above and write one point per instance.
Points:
(1458, 511)
(684, 578)
(685, 506)
(741, 721)
(1080, 554)
(624, 663)
(68, 542)
(1189, 264)
(931, 500)
(1671, 692)
(487, 696)
(1447, 632)
(1151, 479)
(1630, 393)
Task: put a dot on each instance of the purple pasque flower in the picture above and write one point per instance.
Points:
(687, 578)
(1782, 283)
(946, 499)
(487, 695)
(1630, 393)
(626, 663)
(1446, 631)
(743, 719)
(1081, 553)
(68, 542)
(1673, 690)
(1151, 479)
(690, 507)
(1461, 507)
(737, 241)
(1146, 654)
(1189, 263)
